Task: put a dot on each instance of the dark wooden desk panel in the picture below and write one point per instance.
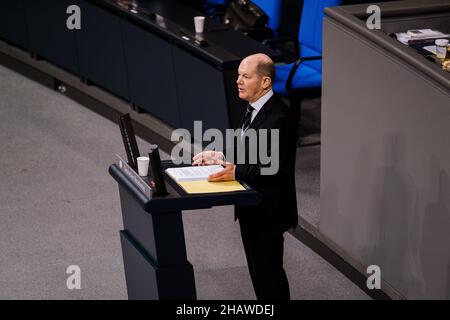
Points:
(12, 22)
(100, 49)
(49, 36)
(151, 74)
(225, 47)
(201, 92)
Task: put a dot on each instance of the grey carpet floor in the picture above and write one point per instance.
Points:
(59, 207)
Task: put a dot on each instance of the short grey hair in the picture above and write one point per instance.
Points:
(266, 69)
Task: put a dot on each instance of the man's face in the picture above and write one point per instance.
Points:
(250, 84)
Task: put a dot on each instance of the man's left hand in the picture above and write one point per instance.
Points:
(226, 174)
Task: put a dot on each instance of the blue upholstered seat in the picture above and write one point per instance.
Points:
(273, 9)
(211, 6)
(306, 77)
(308, 74)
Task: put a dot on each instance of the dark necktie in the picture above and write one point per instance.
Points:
(247, 117)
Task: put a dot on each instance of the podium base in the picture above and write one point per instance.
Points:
(146, 281)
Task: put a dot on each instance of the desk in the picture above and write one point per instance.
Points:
(153, 246)
(142, 57)
(175, 79)
(385, 157)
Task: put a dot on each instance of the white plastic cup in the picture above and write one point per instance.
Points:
(143, 163)
(199, 23)
(441, 48)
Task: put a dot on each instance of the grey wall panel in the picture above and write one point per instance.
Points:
(12, 22)
(49, 36)
(201, 94)
(151, 73)
(385, 165)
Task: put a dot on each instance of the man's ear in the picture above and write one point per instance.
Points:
(267, 82)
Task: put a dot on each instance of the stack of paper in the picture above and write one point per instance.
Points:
(195, 179)
(193, 173)
(419, 35)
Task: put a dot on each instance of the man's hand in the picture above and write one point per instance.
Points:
(226, 174)
(208, 158)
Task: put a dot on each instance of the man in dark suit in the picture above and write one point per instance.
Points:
(263, 225)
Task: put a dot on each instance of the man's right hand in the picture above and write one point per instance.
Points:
(208, 158)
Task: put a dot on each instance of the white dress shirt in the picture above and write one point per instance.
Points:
(258, 104)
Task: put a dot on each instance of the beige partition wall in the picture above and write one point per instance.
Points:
(385, 161)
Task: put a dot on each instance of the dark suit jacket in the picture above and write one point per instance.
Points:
(279, 203)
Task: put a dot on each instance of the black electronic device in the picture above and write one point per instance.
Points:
(199, 41)
(158, 175)
(129, 140)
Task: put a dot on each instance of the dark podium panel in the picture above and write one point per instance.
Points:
(12, 22)
(49, 36)
(147, 281)
(153, 245)
(100, 49)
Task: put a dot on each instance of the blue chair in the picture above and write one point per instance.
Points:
(215, 2)
(211, 7)
(303, 78)
(273, 9)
